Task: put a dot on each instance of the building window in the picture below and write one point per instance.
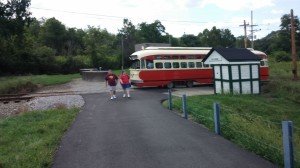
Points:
(158, 65)
(175, 64)
(168, 65)
(183, 65)
(191, 65)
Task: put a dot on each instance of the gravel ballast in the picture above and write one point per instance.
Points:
(50, 102)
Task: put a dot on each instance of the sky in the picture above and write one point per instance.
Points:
(178, 16)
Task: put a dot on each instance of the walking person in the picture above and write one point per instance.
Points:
(111, 79)
(125, 83)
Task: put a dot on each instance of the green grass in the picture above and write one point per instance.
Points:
(15, 84)
(31, 139)
(254, 121)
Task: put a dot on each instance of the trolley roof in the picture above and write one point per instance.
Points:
(177, 51)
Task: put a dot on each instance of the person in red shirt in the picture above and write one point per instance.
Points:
(125, 83)
(111, 79)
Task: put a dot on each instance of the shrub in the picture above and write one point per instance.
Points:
(281, 56)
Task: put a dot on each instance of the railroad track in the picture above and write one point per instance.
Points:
(6, 98)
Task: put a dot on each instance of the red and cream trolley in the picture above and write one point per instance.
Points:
(168, 66)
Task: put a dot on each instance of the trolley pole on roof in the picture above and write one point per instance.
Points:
(293, 46)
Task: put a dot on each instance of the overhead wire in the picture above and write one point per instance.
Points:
(103, 16)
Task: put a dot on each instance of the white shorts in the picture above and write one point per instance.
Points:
(112, 88)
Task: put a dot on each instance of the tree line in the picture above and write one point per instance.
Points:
(46, 46)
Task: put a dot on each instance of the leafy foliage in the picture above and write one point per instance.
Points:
(47, 46)
(281, 56)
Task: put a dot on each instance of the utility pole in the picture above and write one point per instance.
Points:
(293, 46)
(122, 54)
(252, 31)
(245, 31)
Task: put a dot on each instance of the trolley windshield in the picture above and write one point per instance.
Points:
(135, 64)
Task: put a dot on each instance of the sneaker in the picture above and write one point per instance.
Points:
(114, 96)
(124, 95)
(128, 96)
(111, 98)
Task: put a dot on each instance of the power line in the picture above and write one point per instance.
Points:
(122, 17)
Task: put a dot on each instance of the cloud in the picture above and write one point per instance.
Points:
(273, 21)
(235, 5)
(274, 11)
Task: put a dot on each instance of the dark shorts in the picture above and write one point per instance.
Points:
(125, 86)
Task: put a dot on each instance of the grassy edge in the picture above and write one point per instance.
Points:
(16, 84)
(254, 134)
(32, 139)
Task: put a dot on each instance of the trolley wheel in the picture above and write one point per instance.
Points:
(170, 85)
(189, 84)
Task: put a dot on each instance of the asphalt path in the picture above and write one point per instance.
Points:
(138, 132)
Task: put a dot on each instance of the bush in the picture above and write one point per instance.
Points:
(281, 56)
(45, 59)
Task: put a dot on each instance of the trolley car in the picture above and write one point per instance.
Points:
(170, 66)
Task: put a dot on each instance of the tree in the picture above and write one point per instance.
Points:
(53, 35)
(127, 36)
(14, 15)
(280, 40)
(217, 38)
(189, 40)
(98, 43)
(151, 33)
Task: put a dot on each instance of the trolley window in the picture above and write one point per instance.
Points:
(199, 64)
(142, 63)
(159, 57)
(175, 64)
(198, 56)
(135, 64)
(183, 65)
(168, 65)
(149, 64)
(174, 57)
(191, 57)
(182, 57)
(158, 65)
(167, 57)
(206, 65)
(191, 65)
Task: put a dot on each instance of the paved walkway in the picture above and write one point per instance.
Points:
(140, 133)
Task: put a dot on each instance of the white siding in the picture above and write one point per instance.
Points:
(216, 58)
(226, 88)
(218, 87)
(246, 87)
(217, 72)
(236, 87)
(235, 72)
(225, 73)
(255, 87)
(255, 71)
(245, 70)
